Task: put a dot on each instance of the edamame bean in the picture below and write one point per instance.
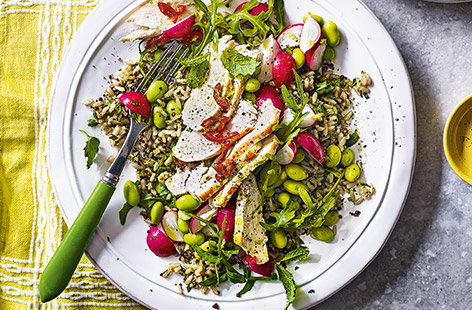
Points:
(269, 193)
(157, 211)
(347, 157)
(158, 53)
(187, 203)
(283, 198)
(331, 218)
(293, 186)
(131, 193)
(158, 117)
(183, 226)
(296, 172)
(331, 32)
(249, 96)
(208, 246)
(300, 156)
(194, 239)
(183, 215)
(173, 107)
(333, 157)
(329, 53)
(299, 57)
(352, 173)
(156, 90)
(322, 233)
(278, 238)
(282, 178)
(318, 18)
(252, 85)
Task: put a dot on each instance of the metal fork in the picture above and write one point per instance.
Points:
(58, 272)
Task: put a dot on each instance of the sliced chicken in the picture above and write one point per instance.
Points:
(244, 119)
(248, 233)
(269, 147)
(192, 146)
(203, 184)
(176, 183)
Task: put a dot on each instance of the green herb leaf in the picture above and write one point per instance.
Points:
(353, 139)
(92, 122)
(289, 284)
(210, 258)
(300, 253)
(193, 61)
(91, 148)
(238, 64)
(279, 13)
(247, 287)
(197, 74)
(123, 213)
(234, 276)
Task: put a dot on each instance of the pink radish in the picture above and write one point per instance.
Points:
(282, 69)
(314, 56)
(136, 102)
(265, 269)
(287, 153)
(268, 92)
(180, 29)
(169, 223)
(311, 34)
(205, 212)
(159, 243)
(261, 7)
(290, 36)
(312, 146)
(308, 120)
(269, 49)
(227, 215)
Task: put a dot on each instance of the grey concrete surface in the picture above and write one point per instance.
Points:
(427, 262)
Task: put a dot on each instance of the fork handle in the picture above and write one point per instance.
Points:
(62, 265)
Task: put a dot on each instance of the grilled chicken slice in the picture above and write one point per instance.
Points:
(269, 147)
(176, 183)
(192, 146)
(248, 233)
(244, 119)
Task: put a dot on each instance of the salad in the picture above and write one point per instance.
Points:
(248, 150)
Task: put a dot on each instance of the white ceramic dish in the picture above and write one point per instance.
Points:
(386, 123)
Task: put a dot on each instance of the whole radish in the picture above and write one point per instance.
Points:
(282, 69)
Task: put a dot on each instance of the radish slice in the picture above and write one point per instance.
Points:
(282, 69)
(227, 214)
(314, 56)
(290, 36)
(307, 121)
(159, 243)
(269, 50)
(205, 212)
(262, 7)
(268, 92)
(287, 153)
(311, 34)
(265, 269)
(136, 102)
(180, 29)
(312, 146)
(169, 223)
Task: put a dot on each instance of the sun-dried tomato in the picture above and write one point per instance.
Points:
(217, 95)
(159, 39)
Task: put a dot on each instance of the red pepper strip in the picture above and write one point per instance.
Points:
(196, 33)
(166, 9)
(233, 190)
(218, 137)
(215, 123)
(180, 10)
(218, 97)
(160, 39)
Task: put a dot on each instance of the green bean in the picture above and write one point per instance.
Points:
(347, 157)
(157, 211)
(318, 18)
(249, 96)
(331, 32)
(158, 117)
(300, 156)
(183, 226)
(322, 233)
(283, 198)
(333, 157)
(278, 238)
(194, 239)
(331, 218)
(156, 90)
(183, 215)
(329, 53)
(352, 173)
(187, 203)
(293, 186)
(131, 193)
(252, 85)
(296, 172)
(299, 57)
(173, 107)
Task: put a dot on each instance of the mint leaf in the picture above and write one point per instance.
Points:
(353, 139)
(190, 62)
(289, 284)
(238, 64)
(92, 122)
(297, 254)
(123, 213)
(197, 74)
(91, 148)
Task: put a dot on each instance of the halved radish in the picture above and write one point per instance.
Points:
(282, 69)
(307, 121)
(261, 7)
(159, 243)
(136, 102)
(269, 49)
(287, 153)
(265, 269)
(169, 223)
(290, 36)
(180, 29)
(311, 34)
(205, 212)
(227, 215)
(314, 56)
(268, 92)
(312, 146)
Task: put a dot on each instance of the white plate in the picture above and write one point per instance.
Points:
(386, 123)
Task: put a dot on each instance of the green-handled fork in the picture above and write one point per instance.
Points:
(61, 267)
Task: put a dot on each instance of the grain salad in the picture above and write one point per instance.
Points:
(249, 149)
